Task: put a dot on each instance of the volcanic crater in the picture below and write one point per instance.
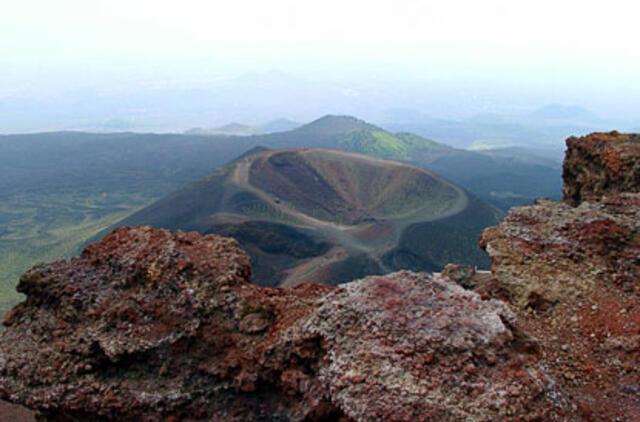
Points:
(328, 216)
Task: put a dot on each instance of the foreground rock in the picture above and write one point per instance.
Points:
(572, 270)
(601, 164)
(149, 325)
(551, 252)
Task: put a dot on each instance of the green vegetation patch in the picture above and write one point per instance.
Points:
(415, 142)
(42, 228)
(374, 142)
(383, 144)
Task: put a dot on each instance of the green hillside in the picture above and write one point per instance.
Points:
(356, 135)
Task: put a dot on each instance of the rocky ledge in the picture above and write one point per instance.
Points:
(150, 325)
(571, 272)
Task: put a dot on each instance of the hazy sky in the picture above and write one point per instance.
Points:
(578, 46)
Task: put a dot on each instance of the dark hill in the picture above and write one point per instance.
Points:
(564, 112)
(331, 124)
(279, 125)
(328, 216)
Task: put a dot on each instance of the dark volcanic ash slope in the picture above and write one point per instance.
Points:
(319, 215)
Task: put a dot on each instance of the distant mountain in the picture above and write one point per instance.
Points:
(240, 129)
(464, 133)
(489, 118)
(352, 134)
(279, 125)
(564, 113)
(331, 125)
(237, 129)
(328, 216)
(547, 126)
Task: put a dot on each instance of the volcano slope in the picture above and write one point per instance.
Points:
(328, 216)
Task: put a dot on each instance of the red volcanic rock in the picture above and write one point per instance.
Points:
(571, 275)
(601, 164)
(149, 325)
(412, 347)
(560, 252)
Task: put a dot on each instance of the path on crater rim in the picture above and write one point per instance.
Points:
(240, 176)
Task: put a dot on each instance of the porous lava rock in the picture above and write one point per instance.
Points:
(601, 164)
(150, 325)
(571, 269)
(551, 252)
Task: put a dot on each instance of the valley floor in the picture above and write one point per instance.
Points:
(36, 228)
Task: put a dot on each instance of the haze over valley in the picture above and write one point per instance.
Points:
(461, 116)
